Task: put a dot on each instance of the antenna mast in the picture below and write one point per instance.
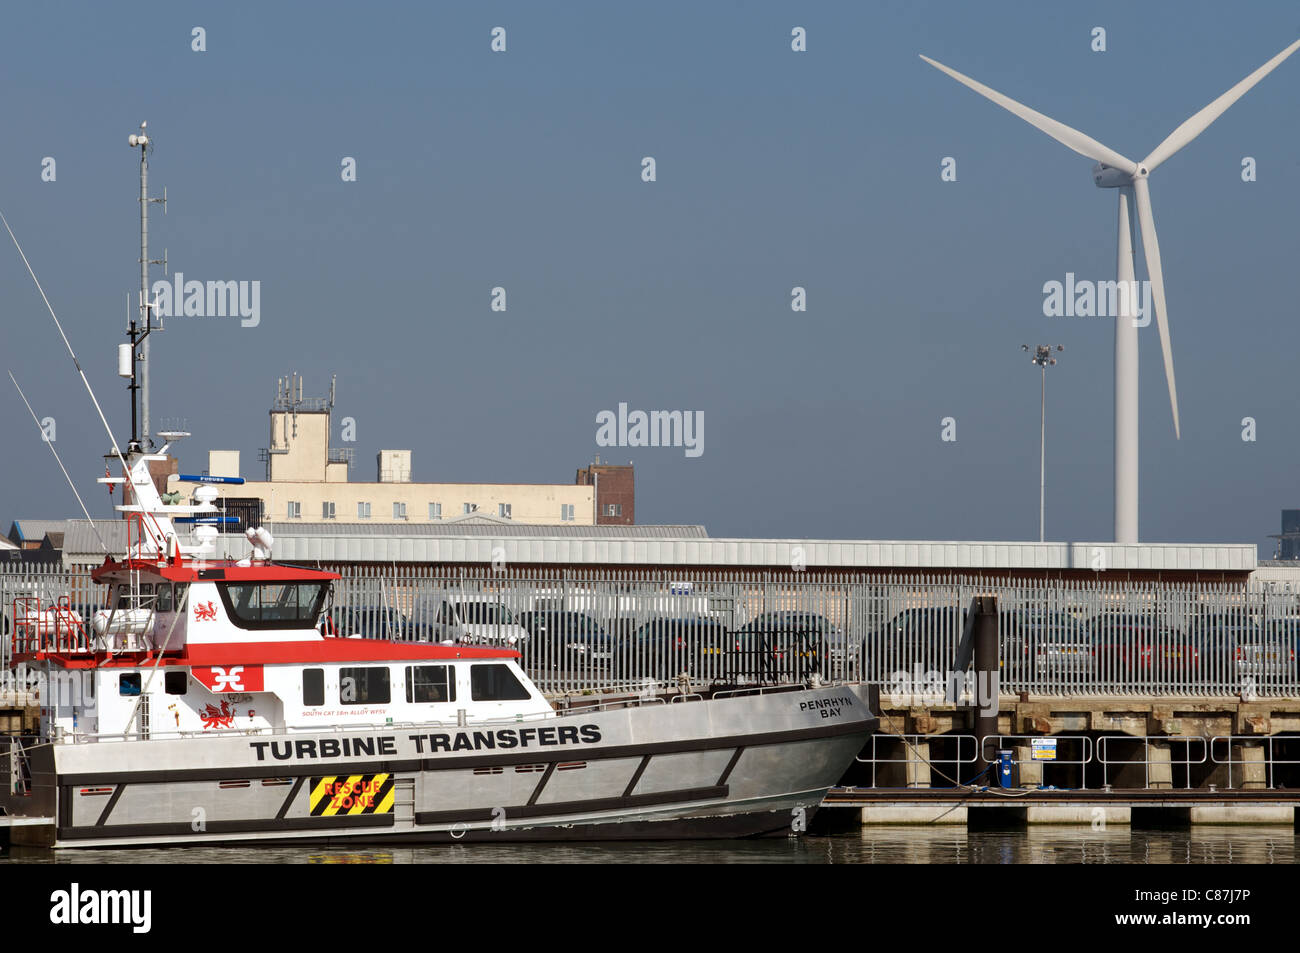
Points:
(139, 331)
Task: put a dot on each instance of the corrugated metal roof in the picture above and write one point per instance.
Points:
(1270, 571)
(80, 540)
(648, 546)
(81, 545)
(35, 530)
(497, 530)
(845, 554)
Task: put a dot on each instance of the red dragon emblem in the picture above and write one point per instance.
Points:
(205, 611)
(214, 717)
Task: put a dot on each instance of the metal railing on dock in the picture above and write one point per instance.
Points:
(1191, 764)
(1167, 752)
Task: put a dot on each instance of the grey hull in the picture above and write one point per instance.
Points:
(728, 767)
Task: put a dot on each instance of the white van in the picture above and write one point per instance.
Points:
(477, 620)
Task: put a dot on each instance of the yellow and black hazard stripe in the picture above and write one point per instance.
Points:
(343, 794)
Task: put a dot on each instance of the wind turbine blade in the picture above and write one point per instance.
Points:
(1201, 121)
(1071, 138)
(1151, 248)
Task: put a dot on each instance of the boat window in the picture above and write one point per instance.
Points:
(430, 684)
(128, 683)
(313, 687)
(273, 605)
(127, 600)
(165, 599)
(364, 686)
(176, 683)
(495, 683)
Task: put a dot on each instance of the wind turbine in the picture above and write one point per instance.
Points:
(1114, 171)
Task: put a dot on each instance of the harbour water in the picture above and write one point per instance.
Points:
(876, 845)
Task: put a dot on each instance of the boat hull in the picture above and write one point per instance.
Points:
(724, 767)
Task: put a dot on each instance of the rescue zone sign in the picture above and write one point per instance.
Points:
(357, 794)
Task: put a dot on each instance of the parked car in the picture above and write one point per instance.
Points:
(1141, 646)
(666, 648)
(1270, 655)
(1040, 644)
(473, 620)
(1265, 651)
(791, 645)
(914, 641)
(564, 640)
(1285, 634)
(1232, 645)
(374, 622)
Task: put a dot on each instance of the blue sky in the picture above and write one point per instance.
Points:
(775, 169)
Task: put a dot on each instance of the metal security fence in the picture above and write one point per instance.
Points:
(579, 631)
(586, 631)
(627, 631)
(1094, 638)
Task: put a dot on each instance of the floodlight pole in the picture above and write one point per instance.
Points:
(1042, 357)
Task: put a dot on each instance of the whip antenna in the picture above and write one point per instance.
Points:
(89, 390)
(50, 443)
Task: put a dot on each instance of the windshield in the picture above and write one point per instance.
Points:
(484, 613)
(683, 628)
(267, 605)
(1053, 626)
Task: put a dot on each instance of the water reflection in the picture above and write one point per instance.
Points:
(876, 845)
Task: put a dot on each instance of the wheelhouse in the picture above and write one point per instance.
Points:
(185, 647)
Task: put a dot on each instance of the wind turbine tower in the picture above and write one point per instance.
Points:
(1114, 171)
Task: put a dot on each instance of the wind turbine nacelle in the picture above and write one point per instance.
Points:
(1109, 177)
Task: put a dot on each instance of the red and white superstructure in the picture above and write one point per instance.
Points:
(188, 644)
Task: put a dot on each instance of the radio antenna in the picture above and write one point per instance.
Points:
(140, 334)
(50, 444)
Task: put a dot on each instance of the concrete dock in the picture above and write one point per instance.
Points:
(1095, 809)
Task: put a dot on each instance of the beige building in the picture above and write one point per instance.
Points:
(307, 480)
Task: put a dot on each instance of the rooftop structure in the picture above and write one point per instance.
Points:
(1288, 541)
(615, 487)
(308, 479)
(31, 534)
